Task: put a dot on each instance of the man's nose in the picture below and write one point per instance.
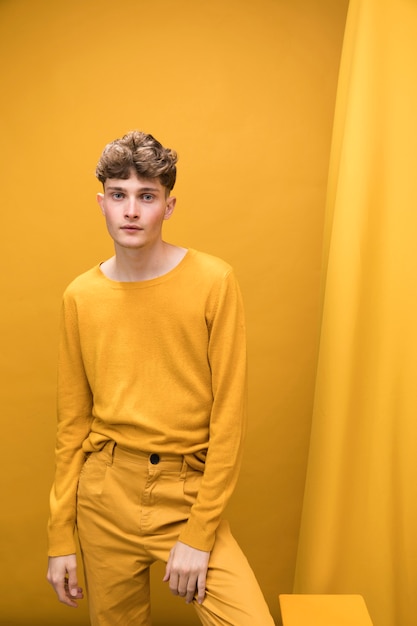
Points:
(132, 208)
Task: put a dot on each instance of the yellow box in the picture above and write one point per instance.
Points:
(324, 610)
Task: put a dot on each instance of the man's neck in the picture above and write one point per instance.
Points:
(138, 265)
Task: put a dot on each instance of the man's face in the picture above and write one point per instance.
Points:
(135, 209)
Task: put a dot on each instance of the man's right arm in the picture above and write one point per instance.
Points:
(74, 419)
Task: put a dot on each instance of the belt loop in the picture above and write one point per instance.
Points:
(110, 449)
(184, 469)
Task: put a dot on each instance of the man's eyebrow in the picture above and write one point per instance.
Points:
(141, 190)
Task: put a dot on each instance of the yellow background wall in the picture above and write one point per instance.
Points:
(244, 91)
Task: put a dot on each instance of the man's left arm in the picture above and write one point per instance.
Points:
(189, 558)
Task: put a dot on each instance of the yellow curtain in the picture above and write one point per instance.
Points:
(359, 523)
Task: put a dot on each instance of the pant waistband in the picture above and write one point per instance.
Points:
(157, 460)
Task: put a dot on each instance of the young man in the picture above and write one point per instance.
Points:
(151, 413)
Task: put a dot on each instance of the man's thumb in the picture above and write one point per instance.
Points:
(73, 584)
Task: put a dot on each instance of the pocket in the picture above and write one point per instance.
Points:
(191, 485)
(92, 475)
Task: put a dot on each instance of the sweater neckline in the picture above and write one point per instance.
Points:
(150, 282)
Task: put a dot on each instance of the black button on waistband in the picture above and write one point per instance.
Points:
(154, 459)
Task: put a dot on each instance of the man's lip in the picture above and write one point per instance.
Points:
(131, 227)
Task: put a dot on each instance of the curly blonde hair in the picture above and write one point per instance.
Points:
(141, 153)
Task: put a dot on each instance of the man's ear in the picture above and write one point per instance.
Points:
(171, 202)
(100, 200)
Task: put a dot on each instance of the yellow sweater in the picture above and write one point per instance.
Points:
(157, 366)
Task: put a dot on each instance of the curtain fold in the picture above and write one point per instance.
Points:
(359, 524)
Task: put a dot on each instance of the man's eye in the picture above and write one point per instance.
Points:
(148, 197)
(117, 196)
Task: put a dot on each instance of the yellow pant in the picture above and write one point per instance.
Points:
(130, 512)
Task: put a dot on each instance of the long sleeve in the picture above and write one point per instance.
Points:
(74, 422)
(227, 358)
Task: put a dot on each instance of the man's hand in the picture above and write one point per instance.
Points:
(62, 574)
(186, 572)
